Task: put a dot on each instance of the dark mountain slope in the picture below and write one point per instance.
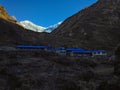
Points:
(97, 26)
(11, 33)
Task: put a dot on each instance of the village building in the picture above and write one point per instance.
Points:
(73, 52)
(31, 47)
(60, 50)
(98, 53)
(83, 52)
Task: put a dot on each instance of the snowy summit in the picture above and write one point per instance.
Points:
(31, 26)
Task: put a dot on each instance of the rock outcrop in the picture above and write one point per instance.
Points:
(4, 15)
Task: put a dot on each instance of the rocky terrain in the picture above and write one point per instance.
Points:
(39, 70)
(4, 15)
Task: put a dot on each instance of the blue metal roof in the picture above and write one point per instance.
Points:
(30, 47)
(84, 51)
(97, 50)
(75, 49)
(87, 51)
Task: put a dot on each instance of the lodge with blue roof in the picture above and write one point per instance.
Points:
(79, 52)
(66, 51)
(30, 47)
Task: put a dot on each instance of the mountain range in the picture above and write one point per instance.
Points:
(94, 27)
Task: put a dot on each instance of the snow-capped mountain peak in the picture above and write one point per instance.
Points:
(31, 26)
(52, 27)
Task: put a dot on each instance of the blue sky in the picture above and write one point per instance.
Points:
(44, 12)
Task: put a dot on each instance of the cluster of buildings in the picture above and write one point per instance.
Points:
(67, 51)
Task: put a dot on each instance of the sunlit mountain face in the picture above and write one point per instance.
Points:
(31, 26)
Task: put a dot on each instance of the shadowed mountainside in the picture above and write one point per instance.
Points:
(12, 33)
(95, 27)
